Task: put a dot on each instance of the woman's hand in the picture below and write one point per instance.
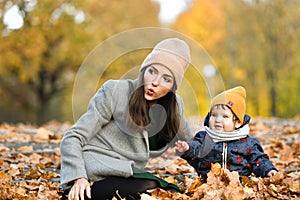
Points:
(80, 186)
(182, 146)
(272, 173)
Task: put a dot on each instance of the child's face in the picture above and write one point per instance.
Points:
(221, 119)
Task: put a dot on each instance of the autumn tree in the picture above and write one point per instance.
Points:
(253, 43)
(266, 39)
(38, 61)
(205, 22)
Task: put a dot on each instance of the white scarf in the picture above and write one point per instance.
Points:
(218, 136)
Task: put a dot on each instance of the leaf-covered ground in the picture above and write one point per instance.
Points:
(30, 162)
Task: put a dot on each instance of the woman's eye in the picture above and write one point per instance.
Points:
(151, 71)
(167, 79)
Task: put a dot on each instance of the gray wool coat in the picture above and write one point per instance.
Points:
(99, 144)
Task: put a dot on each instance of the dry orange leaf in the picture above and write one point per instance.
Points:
(4, 148)
(35, 175)
(42, 136)
(4, 175)
(25, 149)
(216, 169)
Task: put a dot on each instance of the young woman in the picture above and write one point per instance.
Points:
(127, 121)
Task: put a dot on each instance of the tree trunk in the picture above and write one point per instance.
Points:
(273, 94)
(46, 89)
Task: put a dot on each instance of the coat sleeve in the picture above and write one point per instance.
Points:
(259, 160)
(184, 132)
(98, 114)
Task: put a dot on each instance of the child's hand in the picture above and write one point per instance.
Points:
(272, 173)
(182, 146)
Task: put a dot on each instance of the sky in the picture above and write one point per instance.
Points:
(169, 11)
(12, 18)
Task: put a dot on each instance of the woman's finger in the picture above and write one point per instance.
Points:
(74, 192)
(81, 192)
(71, 195)
(88, 191)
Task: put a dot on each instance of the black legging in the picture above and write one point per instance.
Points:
(129, 188)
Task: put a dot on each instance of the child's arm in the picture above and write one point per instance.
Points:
(261, 164)
(190, 149)
(182, 146)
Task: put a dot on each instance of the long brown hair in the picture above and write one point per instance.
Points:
(139, 110)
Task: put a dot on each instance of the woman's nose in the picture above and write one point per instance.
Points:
(155, 81)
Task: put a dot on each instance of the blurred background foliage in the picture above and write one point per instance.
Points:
(254, 43)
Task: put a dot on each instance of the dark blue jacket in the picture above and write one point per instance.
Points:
(245, 155)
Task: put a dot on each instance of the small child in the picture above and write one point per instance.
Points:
(225, 139)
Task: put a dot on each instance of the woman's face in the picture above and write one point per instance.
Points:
(221, 119)
(158, 81)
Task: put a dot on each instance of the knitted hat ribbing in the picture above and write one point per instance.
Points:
(172, 53)
(235, 99)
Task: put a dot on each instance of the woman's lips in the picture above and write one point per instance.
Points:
(150, 91)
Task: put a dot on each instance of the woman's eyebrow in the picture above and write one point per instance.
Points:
(154, 68)
(169, 75)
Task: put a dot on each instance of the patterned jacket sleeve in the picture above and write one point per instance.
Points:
(185, 132)
(259, 160)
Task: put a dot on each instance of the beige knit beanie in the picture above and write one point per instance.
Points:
(172, 53)
(235, 99)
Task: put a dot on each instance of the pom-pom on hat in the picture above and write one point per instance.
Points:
(235, 99)
(172, 53)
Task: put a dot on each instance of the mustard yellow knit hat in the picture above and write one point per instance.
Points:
(235, 99)
(172, 53)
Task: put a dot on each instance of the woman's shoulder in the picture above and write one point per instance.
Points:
(179, 101)
(118, 86)
(178, 97)
(115, 90)
(119, 83)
